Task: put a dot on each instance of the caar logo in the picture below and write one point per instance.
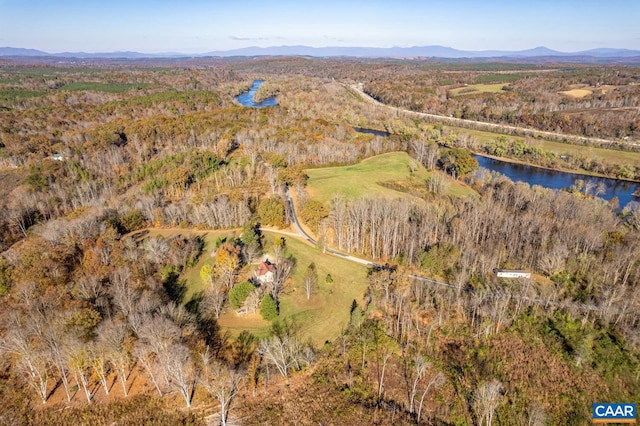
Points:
(614, 413)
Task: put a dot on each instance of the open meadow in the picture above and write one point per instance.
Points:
(374, 177)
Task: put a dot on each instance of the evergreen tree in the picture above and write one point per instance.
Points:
(268, 308)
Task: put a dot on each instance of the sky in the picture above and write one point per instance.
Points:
(199, 26)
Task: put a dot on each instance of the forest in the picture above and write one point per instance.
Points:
(140, 197)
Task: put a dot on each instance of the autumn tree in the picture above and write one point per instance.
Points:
(458, 162)
(227, 263)
(271, 212)
(312, 212)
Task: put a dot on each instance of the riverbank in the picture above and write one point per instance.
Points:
(580, 172)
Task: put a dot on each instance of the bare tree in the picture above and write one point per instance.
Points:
(282, 272)
(310, 280)
(156, 335)
(435, 381)
(32, 360)
(284, 350)
(221, 382)
(536, 416)
(179, 368)
(485, 401)
(56, 341)
(112, 337)
(213, 301)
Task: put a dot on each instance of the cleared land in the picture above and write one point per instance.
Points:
(104, 87)
(321, 318)
(612, 155)
(577, 93)
(327, 312)
(374, 177)
(473, 89)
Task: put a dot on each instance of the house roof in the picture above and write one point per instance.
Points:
(265, 267)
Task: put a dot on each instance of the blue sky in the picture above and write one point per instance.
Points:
(196, 26)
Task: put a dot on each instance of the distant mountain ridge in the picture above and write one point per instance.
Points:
(336, 51)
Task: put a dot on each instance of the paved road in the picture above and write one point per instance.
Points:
(500, 128)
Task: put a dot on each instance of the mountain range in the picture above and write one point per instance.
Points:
(397, 52)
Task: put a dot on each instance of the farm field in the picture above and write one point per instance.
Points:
(612, 155)
(473, 89)
(103, 87)
(368, 178)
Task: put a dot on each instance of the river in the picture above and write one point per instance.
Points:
(559, 180)
(247, 98)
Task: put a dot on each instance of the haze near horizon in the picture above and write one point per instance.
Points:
(198, 26)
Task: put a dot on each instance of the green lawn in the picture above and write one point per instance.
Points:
(321, 318)
(327, 312)
(373, 177)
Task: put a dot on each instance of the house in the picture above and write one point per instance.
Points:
(510, 273)
(265, 272)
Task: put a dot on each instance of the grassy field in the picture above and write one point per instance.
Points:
(611, 155)
(327, 312)
(373, 177)
(10, 95)
(321, 318)
(104, 87)
(577, 93)
(474, 89)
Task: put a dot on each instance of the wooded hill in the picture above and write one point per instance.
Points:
(94, 323)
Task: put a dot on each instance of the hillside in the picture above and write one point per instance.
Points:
(141, 200)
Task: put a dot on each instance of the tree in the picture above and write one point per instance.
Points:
(30, 358)
(458, 161)
(312, 212)
(282, 272)
(79, 363)
(271, 212)
(251, 239)
(207, 274)
(227, 263)
(221, 382)
(113, 338)
(251, 235)
(310, 280)
(239, 293)
(268, 308)
(284, 349)
(178, 366)
(485, 401)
